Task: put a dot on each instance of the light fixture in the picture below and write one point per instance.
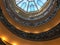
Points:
(14, 44)
(3, 38)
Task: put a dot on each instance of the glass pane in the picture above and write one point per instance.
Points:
(30, 5)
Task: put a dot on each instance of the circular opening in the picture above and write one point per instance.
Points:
(30, 18)
(30, 9)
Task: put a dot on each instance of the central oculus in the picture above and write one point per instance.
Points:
(30, 5)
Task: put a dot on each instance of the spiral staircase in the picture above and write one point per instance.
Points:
(29, 22)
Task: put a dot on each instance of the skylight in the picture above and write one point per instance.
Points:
(30, 5)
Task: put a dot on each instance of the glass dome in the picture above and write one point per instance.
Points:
(30, 12)
(30, 5)
(29, 9)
